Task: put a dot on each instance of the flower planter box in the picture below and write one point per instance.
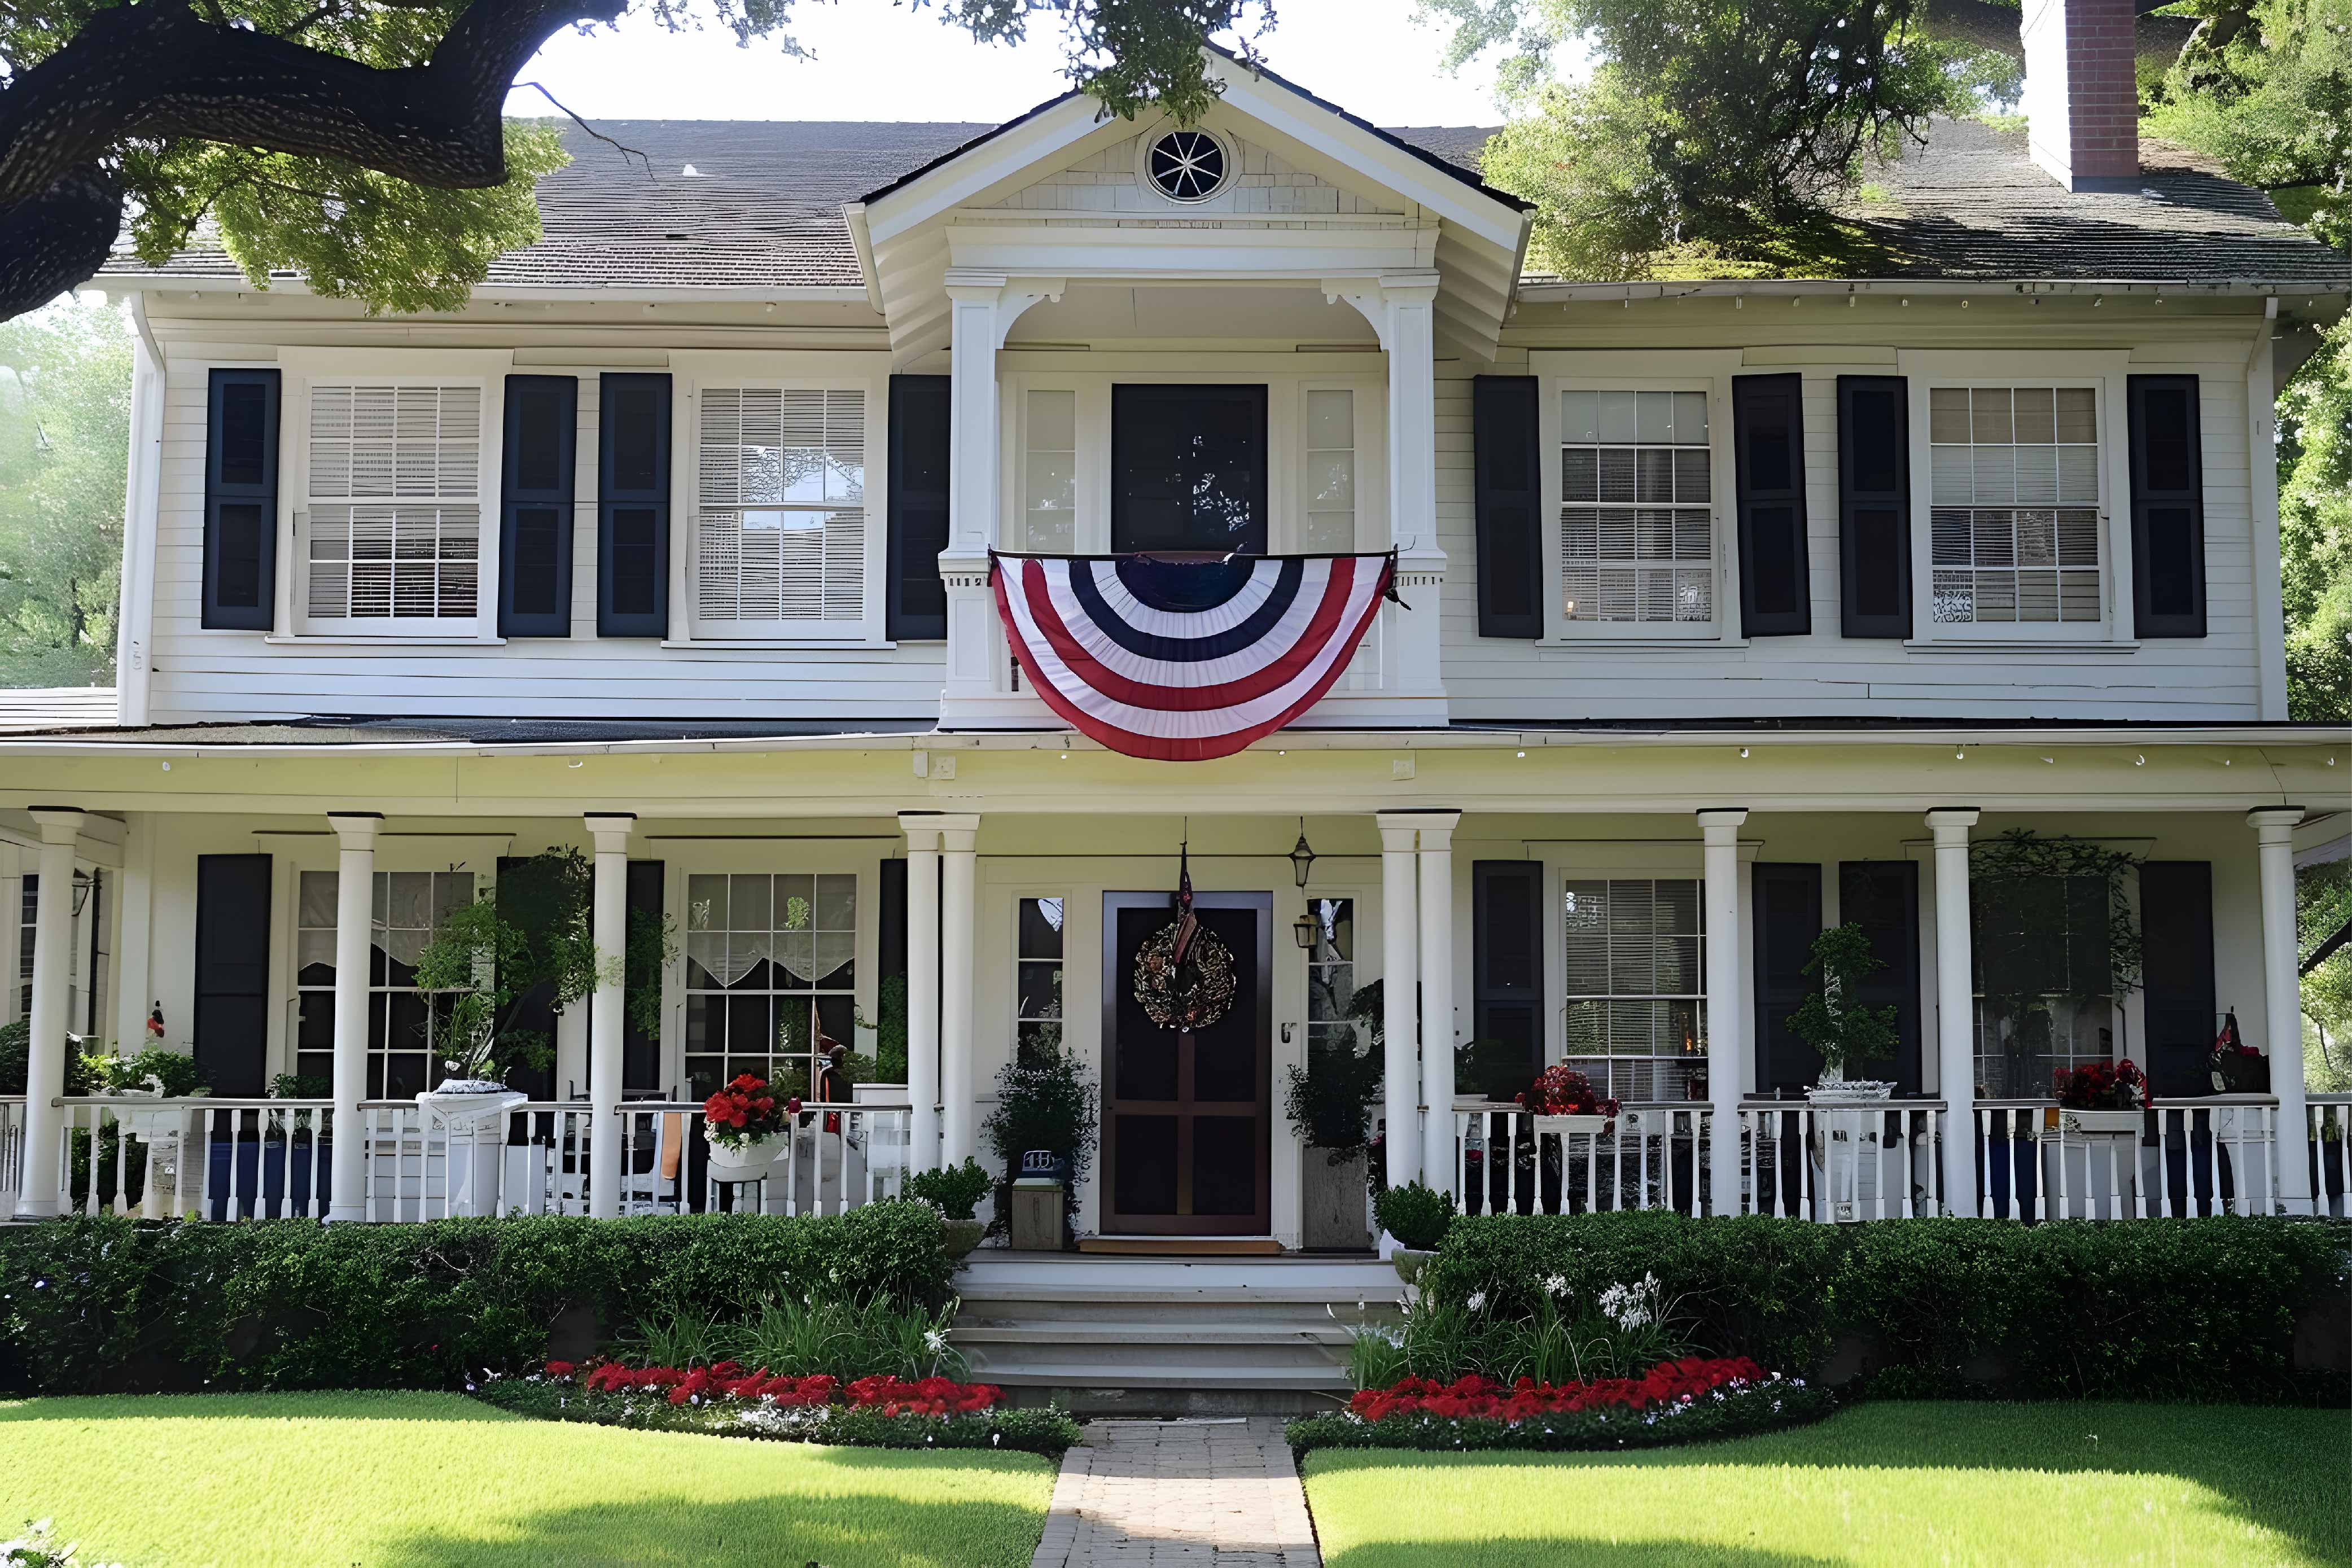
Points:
(1409, 1263)
(746, 1162)
(1332, 1201)
(467, 1108)
(1850, 1092)
(2072, 1122)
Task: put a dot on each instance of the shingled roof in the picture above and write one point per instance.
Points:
(757, 205)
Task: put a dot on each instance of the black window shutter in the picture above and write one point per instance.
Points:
(2181, 1009)
(241, 499)
(641, 1052)
(1881, 897)
(1506, 978)
(918, 607)
(542, 430)
(232, 1017)
(1788, 898)
(529, 896)
(1768, 419)
(1506, 440)
(1874, 506)
(2168, 508)
(633, 449)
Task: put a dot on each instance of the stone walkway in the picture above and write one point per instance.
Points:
(1148, 1494)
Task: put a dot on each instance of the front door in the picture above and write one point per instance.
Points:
(1187, 1114)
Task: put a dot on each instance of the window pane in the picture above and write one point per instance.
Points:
(2002, 457)
(1628, 450)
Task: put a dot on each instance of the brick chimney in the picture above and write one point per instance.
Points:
(2081, 101)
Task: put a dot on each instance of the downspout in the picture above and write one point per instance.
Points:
(2262, 485)
(136, 613)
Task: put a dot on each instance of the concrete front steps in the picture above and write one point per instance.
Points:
(1169, 1336)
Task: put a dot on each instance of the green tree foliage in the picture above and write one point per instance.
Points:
(2322, 899)
(1712, 136)
(64, 425)
(2266, 87)
(359, 141)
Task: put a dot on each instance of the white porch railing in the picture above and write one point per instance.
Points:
(219, 1159)
(2217, 1155)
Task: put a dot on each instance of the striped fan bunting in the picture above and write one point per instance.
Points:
(1183, 661)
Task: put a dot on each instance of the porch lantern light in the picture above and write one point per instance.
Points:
(1302, 857)
(1305, 929)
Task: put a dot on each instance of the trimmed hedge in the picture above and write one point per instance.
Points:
(114, 1305)
(2218, 1310)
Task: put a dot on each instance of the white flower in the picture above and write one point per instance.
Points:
(934, 1341)
(1477, 1302)
(1556, 1284)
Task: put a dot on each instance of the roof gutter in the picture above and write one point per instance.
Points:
(1499, 739)
(1562, 293)
(161, 286)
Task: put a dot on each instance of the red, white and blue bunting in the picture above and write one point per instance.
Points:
(1183, 661)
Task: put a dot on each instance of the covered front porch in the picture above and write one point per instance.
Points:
(1556, 900)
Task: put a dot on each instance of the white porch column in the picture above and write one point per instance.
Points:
(2281, 1000)
(45, 1066)
(354, 944)
(1437, 1162)
(1726, 1021)
(1956, 1044)
(1399, 975)
(959, 1118)
(922, 988)
(608, 1008)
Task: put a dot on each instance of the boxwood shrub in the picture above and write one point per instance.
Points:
(2222, 1309)
(109, 1304)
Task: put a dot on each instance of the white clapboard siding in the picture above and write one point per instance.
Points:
(1824, 675)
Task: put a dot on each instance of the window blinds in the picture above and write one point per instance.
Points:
(394, 502)
(780, 534)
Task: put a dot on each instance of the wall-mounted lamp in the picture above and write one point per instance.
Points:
(83, 883)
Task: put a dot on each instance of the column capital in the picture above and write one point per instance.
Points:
(1720, 824)
(60, 824)
(922, 831)
(357, 829)
(611, 830)
(2275, 823)
(1950, 824)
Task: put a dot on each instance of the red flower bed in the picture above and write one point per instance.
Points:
(730, 1379)
(1668, 1383)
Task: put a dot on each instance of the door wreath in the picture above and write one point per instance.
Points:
(1183, 973)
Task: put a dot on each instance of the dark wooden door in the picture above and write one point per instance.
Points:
(1187, 1116)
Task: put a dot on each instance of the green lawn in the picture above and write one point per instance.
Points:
(1879, 1483)
(436, 1481)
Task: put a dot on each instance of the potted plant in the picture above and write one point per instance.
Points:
(1563, 1100)
(161, 1074)
(955, 1191)
(1328, 1102)
(2101, 1096)
(1045, 1105)
(741, 1123)
(1842, 1031)
(1417, 1218)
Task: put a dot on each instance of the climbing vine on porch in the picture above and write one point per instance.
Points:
(2040, 907)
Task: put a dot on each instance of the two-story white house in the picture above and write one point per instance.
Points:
(1724, 611)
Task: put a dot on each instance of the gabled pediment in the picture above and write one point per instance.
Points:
(1304, 192)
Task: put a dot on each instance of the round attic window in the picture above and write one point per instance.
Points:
(1186, 165)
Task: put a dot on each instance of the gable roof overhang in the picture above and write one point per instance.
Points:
(908, 234)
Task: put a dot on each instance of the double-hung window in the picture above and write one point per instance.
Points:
(2014, 519)
(781, 535)
(2045, 980)
(407, 1028)
(1327, 520)
(1635, 984)
(771, 976)
(1637, 535)
(391, 523)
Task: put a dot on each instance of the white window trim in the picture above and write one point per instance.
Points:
(1013, 1018)
(304, 369)
(1286, 406)
(686, 506)
(1559, 631)
(2106, 374)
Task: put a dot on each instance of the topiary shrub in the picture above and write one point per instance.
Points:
(1417, 1215)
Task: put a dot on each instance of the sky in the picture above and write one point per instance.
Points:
(877, 60)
